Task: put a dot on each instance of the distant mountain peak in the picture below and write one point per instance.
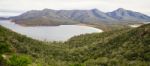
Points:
(120, 9)
(95, 9)
(93, 15)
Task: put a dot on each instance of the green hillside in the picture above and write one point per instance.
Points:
(124, 47)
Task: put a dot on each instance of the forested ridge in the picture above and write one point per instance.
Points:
(123, 47)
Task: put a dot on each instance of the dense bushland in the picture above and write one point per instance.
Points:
(124, 47)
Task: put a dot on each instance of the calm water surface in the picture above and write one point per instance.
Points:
(50, 33)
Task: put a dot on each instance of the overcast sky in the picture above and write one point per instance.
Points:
(142, 6)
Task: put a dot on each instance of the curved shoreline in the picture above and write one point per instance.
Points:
(50, 33)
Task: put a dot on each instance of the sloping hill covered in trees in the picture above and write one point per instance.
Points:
(124, 47)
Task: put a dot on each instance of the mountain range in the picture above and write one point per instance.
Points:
(56, 17)
(3, 18)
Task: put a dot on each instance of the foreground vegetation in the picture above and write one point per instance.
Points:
(124, 47)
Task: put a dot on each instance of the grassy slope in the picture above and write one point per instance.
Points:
(119, 48)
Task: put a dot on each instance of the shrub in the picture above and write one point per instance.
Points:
(147, 56)
(19, 60)
(4, 48)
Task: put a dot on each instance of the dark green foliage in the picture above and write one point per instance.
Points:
(19, 60)
(4, 48)
(147, 56)
(77, 65)
(124, 47)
